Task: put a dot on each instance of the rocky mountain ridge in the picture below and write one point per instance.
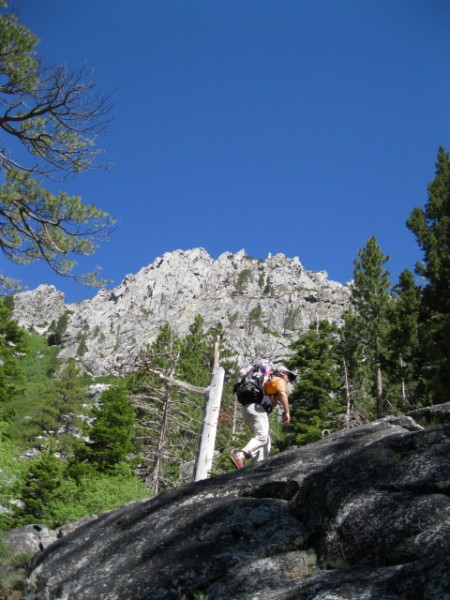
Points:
(262, 305)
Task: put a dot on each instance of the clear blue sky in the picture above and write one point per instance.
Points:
(294, 126)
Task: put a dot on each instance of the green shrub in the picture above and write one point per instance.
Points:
(242, 279)
(12, 472)
(92, 494)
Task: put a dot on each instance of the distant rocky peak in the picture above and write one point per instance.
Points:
(262, 305)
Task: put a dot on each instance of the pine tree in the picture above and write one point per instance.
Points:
(12, 471)
(64, 397)
(110, 437)
(404, 343)
(169, 414)
(316, 399)
(41, 486)
(57, 329)
(12, 345)
(195, 361)
(431, 227)
(50, 121)
(357, 372)
(155, 399)
(368, 325)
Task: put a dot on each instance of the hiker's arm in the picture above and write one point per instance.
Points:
(284, 401)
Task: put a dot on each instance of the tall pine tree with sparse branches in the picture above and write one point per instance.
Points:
(404, 343)
(369, 322)
(431, 227)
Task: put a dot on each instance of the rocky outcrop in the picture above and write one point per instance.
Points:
(432, 415)
(262, 305)
(363, 513)
(28, 539)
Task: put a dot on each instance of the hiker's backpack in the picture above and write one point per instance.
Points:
(249, 388)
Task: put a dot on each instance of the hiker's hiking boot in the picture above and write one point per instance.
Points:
(237, 458)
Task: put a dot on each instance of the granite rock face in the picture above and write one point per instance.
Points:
(262, 305)
(361, 514)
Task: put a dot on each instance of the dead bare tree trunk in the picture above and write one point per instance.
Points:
(347, 395)
(235, 418)
(167, 397)
(213, 398)
(156, 472)
(381, 411)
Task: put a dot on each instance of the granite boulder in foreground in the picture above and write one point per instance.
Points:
(362, 514)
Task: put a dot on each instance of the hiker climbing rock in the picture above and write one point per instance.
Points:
(259, 390)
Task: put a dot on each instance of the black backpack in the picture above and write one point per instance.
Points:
(249, 388)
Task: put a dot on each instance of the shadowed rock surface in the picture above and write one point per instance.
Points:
(362, 514)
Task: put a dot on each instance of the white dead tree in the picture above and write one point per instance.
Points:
(213, 399)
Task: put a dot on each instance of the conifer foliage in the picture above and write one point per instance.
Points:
(168, 393)
(52, 119)
(170, 415)
(394, 344)
(368, 322)
(41, 487)
(316, 400)
(111, 434)
(431, 227)
(404, 342)
(12, 344)
(64, 396)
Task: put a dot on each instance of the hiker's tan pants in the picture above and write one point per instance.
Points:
(257, 421)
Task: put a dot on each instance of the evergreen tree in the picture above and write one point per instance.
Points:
(194, 366)
(57, 329)
(368, 326)
(357, 372)
(169, 414)
(34, 389)
(404, 343)
(316, 398)
(41, 486)
(431, 227)
(12, 345)
(196, 354)
(155, 398)
(53, 492)
(52, 119)
(110, 436)
(64, 397)
(12, 471)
